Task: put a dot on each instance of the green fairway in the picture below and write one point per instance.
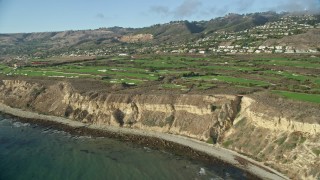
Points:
(228, 67)
(233, 80)
(180, 72)
(302, 63)
(293, 76)
(315, 98)
(242, 81)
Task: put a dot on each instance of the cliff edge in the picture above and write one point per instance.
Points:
(280, 139)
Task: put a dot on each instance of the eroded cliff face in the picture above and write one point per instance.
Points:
(286, 140)
(196, 116)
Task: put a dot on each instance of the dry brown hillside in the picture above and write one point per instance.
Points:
(137, 38)
(308, 40)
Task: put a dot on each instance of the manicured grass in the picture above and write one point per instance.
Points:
(288, 62)
(162, 65)
(315, 98)
(170, 62)
(209, 72)
(5, 69)
(234, 80)
(87, 71)
(50, 74)
(288, 75)
(228, 67)
(173, 72)
(243, 81)
(204, 78)
(150, 77)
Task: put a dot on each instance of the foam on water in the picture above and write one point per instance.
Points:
(20, 124)
(34, 152)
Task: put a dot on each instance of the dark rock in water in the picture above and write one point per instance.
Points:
(84, 150)
(114, 159)
(4, 140)
(57, 152)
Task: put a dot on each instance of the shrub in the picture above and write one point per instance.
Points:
(281, 140)
(227, 143)
(316, 151)
(169, 120)
(118, 116)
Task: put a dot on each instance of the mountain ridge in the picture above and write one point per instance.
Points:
(174, 33)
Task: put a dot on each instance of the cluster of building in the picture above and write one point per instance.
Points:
(251, 40)
(261, 49)
(239, 49)
(246, 41)
(286, 26)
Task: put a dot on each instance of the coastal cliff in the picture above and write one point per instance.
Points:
(197, 116)
(285, 141)
(284, 138)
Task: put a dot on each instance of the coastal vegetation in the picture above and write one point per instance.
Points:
(249, 83)
(293, 77)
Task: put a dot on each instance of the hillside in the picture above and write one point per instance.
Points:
(302, 41)
(247, 83)
(244, 31)
(54, 41)
(259, 125)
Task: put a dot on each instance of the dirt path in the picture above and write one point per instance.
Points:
(226, 155)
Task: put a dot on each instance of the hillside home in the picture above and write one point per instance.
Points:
(301, 51)
(312, 51)
(192, 50)
(262, 47)
(289, 51)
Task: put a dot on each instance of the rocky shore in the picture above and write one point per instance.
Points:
(177, 144)
(279, 133)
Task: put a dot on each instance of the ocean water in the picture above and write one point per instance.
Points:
(29, 151)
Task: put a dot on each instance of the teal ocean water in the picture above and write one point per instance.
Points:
(29, 151)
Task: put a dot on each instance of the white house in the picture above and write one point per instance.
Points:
(289, 51)
(192, 50)
(262, 47)
(250, 50)
(312, 50)
(123, 54)
(301, 51)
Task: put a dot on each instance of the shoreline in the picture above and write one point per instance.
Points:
(184, 145)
